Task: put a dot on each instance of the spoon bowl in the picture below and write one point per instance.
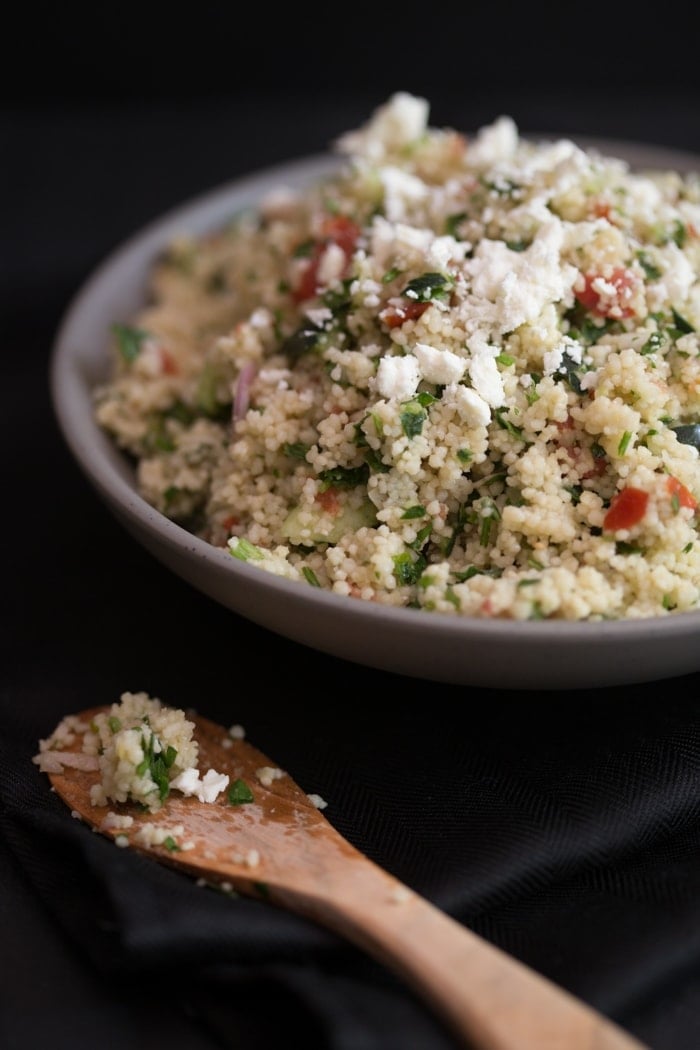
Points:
(267, 838)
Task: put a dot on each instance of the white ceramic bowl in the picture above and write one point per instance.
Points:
(491, 653)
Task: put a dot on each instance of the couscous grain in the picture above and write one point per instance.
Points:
(459, 374)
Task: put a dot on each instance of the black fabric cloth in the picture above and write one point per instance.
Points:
(563, 826)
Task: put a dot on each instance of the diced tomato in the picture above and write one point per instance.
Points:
(628, 508)
(678, 490)
(601, 209)
(229, 522)
(341, 231)
(329, 501)
(168, 363)
(616, 305)
(336, 229)
(395, 315)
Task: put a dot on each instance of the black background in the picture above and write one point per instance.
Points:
(564, 827)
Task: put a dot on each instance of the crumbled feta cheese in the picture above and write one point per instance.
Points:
(589, 380)
(496, 142)
(116, 820)
(260, 318)
(402, 120)
(439, 366)
(483, 372)
(206, 788)
(471, 407)
(331, 264)
(317, 801)
(397, 377)
(444, 250)
(319, 315)
(268, 774)
(521, 284)
(400, 191)
(552, 360)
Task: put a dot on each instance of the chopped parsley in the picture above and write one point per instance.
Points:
(239, 793)
(310, 576)
(505, 424)
(246, 551)
(114, 724)
(296, 450)
(453, 222)
(651, 270)
(129, 341)
(412, 418)
(171, 845)
(391, 275)
(654, 343)
(427, 287)
(465, 455)
(157, 763)
(343, 477)
(413, 512)
(505, 360)
(407, 568)
(624, 443)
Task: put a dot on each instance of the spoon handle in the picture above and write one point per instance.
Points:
(489, 999)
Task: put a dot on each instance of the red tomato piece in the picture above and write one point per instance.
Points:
(618, 303)
(628, 508)
(336, 229)
(678, 490)
(168, 363)
(394, 315)
(329, 501)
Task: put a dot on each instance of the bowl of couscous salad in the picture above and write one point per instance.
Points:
(429, 401)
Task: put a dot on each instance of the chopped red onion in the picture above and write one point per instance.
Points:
(241, 398)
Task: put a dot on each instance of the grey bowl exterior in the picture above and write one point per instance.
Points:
(502, 654)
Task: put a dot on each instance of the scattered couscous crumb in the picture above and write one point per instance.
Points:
(236, 732)
(268, 774)
(142, 749)
(121, 840)
(251, 859)
(460, 374)
(317, 801)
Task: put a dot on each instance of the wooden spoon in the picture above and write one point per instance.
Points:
(281, 848)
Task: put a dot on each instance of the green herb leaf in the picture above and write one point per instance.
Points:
(505, 424)
(343, 477)
(129, 341)
(246, 551)
(171, 845)
(413, 512)
(651, 270)
(624, 443)
(505, 359)
(465, 455)
(412, 418)
(239, 793)
(680, 323)
(391, 275)
(305, 249)
(427, 287)
(114, 724)
(310, 576)
(407, 568)
(453, 222)
(654, 343)
(296, 450)
(301, 342)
